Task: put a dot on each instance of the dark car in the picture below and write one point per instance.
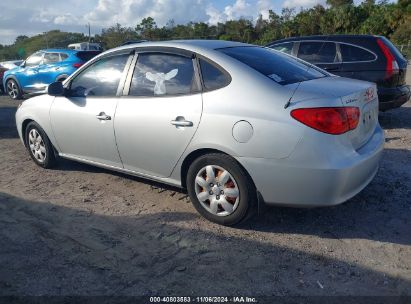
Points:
(364, 57)
(5, 66)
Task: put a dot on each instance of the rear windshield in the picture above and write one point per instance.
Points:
(281, 68)
(87, 55)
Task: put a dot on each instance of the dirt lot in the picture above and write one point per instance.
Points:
(79, 230)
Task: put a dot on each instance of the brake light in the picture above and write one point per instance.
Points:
(77, 65)
(337, 120)
(392, 64)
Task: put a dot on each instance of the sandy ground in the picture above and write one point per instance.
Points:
(79, 230)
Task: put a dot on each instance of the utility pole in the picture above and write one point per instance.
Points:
(89, 32)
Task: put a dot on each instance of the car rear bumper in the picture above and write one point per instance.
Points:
(280, 183)
(391, 98)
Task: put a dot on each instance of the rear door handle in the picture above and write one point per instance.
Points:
(180, 121)
(103, 116)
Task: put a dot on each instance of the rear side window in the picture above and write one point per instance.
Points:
(102, 78)
(283, 47)
(352, 53)
(63, 56)
(281, 68)
(318, 52)
(51, 58)
(213, 77)
(158, 74)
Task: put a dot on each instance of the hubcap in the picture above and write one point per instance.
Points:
(217, 190)
(12, 89)
(37, 147)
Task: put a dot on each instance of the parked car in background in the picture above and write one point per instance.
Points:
(85, 46)
(43, 68)
(233, 123)
(5, 66)
(133, 41)
(364, 57)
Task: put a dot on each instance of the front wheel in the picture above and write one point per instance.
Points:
(39, 146)
(220, 189)
(13, 89)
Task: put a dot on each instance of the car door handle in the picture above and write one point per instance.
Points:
(181, 122)
(103, 116)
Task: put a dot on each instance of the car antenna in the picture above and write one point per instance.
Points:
(292, 95)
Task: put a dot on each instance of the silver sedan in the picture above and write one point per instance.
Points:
(234, 124)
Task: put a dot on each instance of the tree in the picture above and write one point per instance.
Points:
(146, 29)
(339, 3)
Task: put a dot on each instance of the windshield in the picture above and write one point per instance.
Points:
(280, 67)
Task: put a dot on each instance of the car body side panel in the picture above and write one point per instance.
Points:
(36, 109)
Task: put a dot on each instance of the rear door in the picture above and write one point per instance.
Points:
(159, 116)
(48, 69)
(321, 53)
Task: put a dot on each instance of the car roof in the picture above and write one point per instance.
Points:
(190, 45)
(335, 37)
(68, 51)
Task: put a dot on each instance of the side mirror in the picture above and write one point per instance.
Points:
(23, 64)
(55, 89)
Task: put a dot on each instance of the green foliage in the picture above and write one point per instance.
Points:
(392, 20)
(24, 46)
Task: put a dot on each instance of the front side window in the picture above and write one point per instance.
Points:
(281, 68)
(318, 52)
(158, 74)
(284, 47)
(352, 53)
(51, 58)
(34, 59)
(213, 77)
(102, 78)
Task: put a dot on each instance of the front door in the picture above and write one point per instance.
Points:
(83, 120)
(29, 79)
(157, 120)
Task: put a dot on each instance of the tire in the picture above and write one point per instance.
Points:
(13, 89)
(39, 146)
(210, 198)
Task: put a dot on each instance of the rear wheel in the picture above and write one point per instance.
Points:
(39, 146)
(13, 89)
(220, 189)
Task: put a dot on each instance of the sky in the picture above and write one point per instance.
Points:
(29, 17)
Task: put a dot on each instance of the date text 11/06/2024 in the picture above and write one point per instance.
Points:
(203, 300)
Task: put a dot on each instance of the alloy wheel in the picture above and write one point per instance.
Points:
(12, 89)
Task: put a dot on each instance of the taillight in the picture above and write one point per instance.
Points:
(392, 64)
(334, 121)
(77, 65)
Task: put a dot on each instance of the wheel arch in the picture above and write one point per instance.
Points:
(193, 155)
(24, 127)
(62, 77)
(14, 78)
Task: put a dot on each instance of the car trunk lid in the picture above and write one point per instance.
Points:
(351, 93)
